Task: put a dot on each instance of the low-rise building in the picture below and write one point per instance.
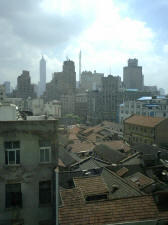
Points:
(8, 112)
(53, 108)
(146, 129)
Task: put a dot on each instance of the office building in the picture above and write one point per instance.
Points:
(132, 75)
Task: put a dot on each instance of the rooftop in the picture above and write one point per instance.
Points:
(139, 208)
(93, 185)
(145, 121)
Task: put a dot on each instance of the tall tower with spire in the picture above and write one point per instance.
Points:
(42, 82)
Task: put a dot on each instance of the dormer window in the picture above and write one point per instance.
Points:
(97, 197)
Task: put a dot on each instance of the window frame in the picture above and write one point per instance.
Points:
(43, 149)
(12, 149)
(43, 190)
(8, 200)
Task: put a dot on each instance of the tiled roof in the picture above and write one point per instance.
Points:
(79, 146)
(106, 212)
(71, 196)
(93, 185)
(123, 188)
(117, 145)
(145, 121)
(108, 154)
(89, 163)
(122, 171)
(140, 180)
(65, 157)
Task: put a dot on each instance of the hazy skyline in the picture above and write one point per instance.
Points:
(108, 34)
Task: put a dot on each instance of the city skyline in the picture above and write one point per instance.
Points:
(108, 35)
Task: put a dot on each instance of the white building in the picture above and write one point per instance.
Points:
(42, 82)
(53, 108)
(39, 108)
(8, 112)
(156, 106)
(36, 106)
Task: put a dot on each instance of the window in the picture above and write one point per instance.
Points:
(12, 152)
(45, 192)
(45, 151)
(13, 195)
(45, 154)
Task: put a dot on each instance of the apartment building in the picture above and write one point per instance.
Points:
(28, 157)
(146, 129)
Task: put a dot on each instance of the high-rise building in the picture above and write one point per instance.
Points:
(112, 97)
(132, 75)
(42, 82)
(24, 87)
(62, 83)
(91, 81)
(7, 87)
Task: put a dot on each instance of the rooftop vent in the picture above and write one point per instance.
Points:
(114, 188)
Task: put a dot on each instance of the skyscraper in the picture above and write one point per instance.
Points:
(42, 82)
(24, 87)
(132, 75)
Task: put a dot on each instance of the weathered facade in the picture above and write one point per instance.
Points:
(146, 129)
(28, 157)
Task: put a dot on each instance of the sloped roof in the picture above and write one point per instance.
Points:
(90, 163)
(66, 157)
(140, 180)
(124, 189)
(108, 154)
(139, 208)
(79, 146)
(91, 185)
(117, 145)
(146, 121)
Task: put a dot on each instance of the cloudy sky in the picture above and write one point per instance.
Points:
(108, 33)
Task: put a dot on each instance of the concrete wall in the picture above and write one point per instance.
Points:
(161, 133)
(30, 171)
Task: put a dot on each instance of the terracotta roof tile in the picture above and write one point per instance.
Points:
(122, 171)
(117, 145)
(140, 180)
(91, 185)
(79, 146)
(121, 210)
(146, 121)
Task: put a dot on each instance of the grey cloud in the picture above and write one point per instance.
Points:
(27, 31)
(30, 23)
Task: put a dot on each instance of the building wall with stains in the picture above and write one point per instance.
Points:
(30, 171)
